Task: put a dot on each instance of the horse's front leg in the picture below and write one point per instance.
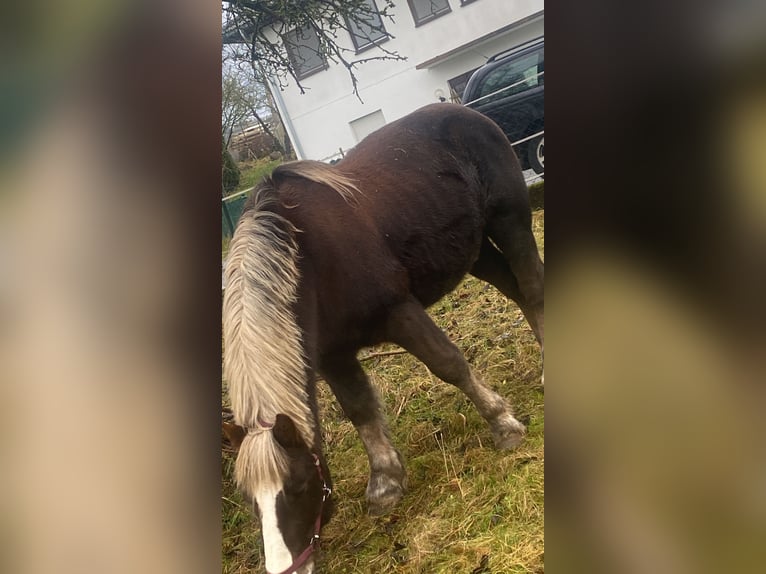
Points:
(388, 479)
(410, 326)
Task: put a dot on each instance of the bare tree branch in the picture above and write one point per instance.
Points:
(245, 98)
(264, 26)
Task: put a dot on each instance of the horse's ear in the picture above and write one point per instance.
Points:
(286, 433)
(234, 433)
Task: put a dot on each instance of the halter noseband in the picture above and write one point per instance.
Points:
(314, 542)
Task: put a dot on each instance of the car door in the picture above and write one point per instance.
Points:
(512, 94)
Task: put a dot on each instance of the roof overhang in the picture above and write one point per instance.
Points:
(244, 32)
(441, 58)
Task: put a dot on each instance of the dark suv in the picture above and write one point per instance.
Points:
(510, 89)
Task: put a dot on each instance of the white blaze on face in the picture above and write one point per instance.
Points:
(278, 557)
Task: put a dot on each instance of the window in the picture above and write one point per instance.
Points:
(302, 46)
(457, 86)
(515, 76)
(364, 126)
(426, 10)
(370, 31)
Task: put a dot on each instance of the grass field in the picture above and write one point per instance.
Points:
(252, 172)
(470, 509)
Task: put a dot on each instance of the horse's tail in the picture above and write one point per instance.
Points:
(264, 364)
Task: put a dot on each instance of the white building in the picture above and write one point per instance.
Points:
(443, 41)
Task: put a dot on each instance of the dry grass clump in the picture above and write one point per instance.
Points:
(537, 195)
(470, 509)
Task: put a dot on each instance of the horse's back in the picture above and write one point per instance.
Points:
(441, 153)
(430, 182)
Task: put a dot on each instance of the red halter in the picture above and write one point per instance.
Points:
(314, 542)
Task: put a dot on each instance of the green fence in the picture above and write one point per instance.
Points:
(231, 209)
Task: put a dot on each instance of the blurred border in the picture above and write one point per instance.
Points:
(656, 221)
(110, 287)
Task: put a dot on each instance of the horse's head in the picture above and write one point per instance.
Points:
(293, 512)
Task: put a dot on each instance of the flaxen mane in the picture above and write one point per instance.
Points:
(319, 172)
(264, 363)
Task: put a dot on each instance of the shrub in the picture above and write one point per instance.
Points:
(537, 195)
(229, 173)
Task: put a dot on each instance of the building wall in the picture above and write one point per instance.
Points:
(321, 118)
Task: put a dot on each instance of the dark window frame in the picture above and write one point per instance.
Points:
(377, 41)
(431, 17)
(460, 79)
(290, 46)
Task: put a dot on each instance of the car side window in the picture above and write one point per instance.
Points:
(513, 77)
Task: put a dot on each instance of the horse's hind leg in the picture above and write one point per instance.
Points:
(493, 268)
(512, 233)
(410, 326)
(357, 398)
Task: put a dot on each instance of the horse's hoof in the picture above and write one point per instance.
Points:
(381, 506)
(507, 432)
(383, 493)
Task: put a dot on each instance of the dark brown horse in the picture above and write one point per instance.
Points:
(329, 259)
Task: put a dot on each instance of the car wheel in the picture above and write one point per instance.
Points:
(536, 154)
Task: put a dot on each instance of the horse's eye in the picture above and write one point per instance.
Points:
(294, 489)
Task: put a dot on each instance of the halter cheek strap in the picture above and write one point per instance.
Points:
(314, 542)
